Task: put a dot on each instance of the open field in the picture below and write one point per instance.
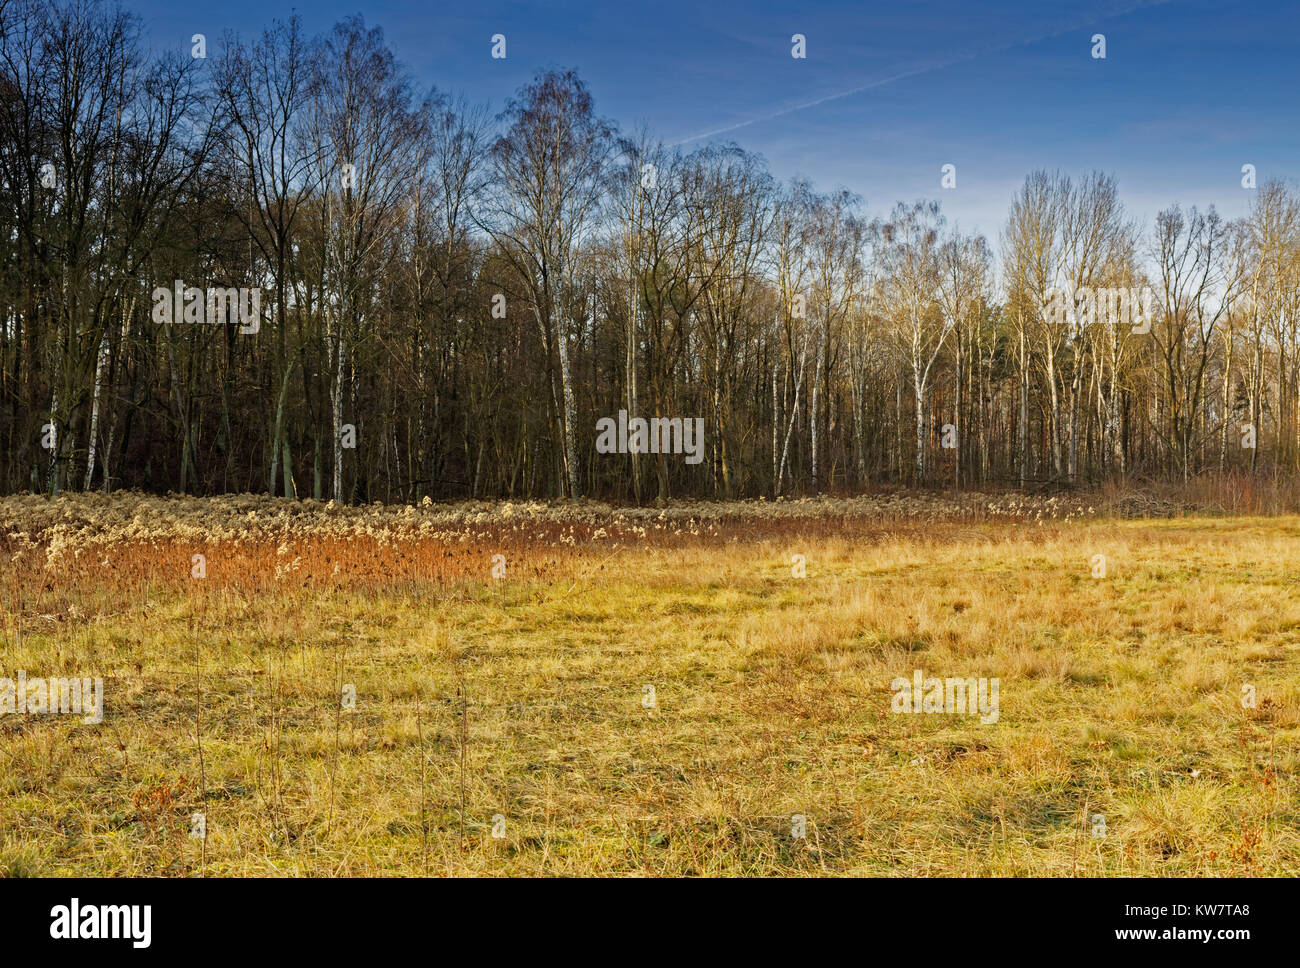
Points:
(521, 701)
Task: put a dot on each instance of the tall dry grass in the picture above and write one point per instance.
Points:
(522, 698)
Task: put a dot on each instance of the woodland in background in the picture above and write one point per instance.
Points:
(467, 293)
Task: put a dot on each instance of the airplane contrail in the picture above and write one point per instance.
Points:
(919, 70)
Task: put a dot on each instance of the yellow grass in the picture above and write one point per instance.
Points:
(522, 699)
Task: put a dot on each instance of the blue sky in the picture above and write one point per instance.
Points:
(1190, 90)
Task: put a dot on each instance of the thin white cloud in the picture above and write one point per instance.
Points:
(923, 69)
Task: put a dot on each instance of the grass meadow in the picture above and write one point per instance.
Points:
(648, 692)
